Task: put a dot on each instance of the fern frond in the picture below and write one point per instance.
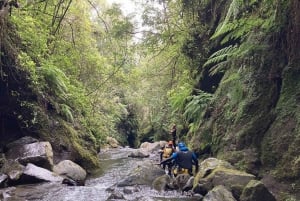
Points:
(220, 55)
(56, 80)
(66, 112)
(179, 96)
(234, 9)
(196, 106)
(226, 28)
(224, 51)
(220, 67)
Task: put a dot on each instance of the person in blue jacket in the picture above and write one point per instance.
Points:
(184, 158)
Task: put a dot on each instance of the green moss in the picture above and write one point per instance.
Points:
(290, 95)
(58, 132)
(87, 156)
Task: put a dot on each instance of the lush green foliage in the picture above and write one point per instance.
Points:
(78, 57)
(83, 60)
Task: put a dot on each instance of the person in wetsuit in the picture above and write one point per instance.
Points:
(184, 159)
(173, 134)
(165, 153)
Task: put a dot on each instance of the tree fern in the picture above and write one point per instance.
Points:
(236, 34)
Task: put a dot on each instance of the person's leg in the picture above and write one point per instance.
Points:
(190, 172)
(174, 141)
(169, 169)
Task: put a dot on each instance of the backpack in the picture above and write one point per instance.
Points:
(167, 152)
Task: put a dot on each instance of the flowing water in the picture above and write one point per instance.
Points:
(115, 165)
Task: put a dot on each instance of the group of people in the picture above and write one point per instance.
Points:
(177, 157)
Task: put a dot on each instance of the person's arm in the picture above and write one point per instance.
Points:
(161, 151)
(174, 155)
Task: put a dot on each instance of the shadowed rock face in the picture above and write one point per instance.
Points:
(38, 153)
(256, 190)
(20, 142)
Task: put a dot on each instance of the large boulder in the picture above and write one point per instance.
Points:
(210, 164)
(230, 178)
(181, 181)
(3, 180)
(112, 142)
(189, 184)
(33, 174)
(38, 153)
(69, 169)
(219, 193)
(13, 170)
(152, 147)
(139, 153)
(215, 172)
(22, 141)
(256, 191)
(143, 174)
(162, 183)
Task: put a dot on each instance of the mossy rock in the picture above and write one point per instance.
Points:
(67, 143)
(256, 190)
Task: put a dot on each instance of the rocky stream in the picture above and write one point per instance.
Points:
(100, 186)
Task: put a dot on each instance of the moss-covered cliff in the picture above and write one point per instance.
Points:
(27, 111)
(253, 121)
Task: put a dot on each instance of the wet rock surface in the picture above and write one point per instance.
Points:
(134, 178)
(103, 184)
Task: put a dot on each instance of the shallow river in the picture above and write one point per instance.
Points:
(115, 165)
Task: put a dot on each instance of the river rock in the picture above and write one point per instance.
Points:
(144, 199)
(219, 193)
(38, 153)
(139, 153)
(152, 147)
(116, 196)
(180, 181)
(5, 194)
(22, 141)
(130, 189)
(13, 169)
(230, 178)
(33, 173)
(3, 179)
(2, 160)
(256, 190)
(112, 142)
(189, 184)
(210, 164)
(143, 174)
(162, 183)
(215, 172)
(69, 169)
